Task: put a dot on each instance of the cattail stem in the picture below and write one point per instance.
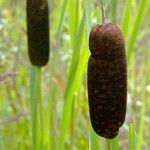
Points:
(108, 144)
(37, 107)
(34, 107)
(39, 89)
(103, 12)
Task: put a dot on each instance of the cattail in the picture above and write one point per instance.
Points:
(38, 31)
(107, 80)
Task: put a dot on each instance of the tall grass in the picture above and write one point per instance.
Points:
(59, 117)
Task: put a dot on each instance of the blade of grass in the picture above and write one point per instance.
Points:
(74, 87)
(63, 10)
(126, 18)
(141, 130)
(142, 126)
(131, 142)
(62, 16)
(142, 123)
(137, 24)
(71, 84)
(73, 16)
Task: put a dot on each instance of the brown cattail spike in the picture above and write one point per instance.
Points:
(107, 80)
(38, 31)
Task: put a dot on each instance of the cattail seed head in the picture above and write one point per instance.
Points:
(38, 31)
(107, 80)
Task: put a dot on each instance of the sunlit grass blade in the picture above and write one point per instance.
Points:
(126, 18)
(71, 84)
(131, 141)
(94, 140)
(143, 6)
(73, 16)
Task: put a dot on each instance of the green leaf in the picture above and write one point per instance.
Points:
(126, 18)
(71, 85)
(131, 142)
(143, 6)
(63, 10)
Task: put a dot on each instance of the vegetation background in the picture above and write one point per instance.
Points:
(56, 115)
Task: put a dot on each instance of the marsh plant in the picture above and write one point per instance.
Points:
(44, 104)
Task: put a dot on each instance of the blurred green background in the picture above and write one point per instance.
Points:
(64, 89)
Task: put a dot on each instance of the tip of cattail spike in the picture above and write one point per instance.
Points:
(38, 31)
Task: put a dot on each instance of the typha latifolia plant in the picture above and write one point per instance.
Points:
(38, 48)
(107, 78)
(73, 132)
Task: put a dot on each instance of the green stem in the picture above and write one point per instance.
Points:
(108, 144)
(39, 90)
(34, 105)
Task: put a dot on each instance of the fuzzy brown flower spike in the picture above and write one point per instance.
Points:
(107, 80)
(38, 31)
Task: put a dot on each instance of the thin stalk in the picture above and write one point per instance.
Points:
(103, 12)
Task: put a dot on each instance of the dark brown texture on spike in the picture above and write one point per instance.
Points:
(38, 31)
(107, 80)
